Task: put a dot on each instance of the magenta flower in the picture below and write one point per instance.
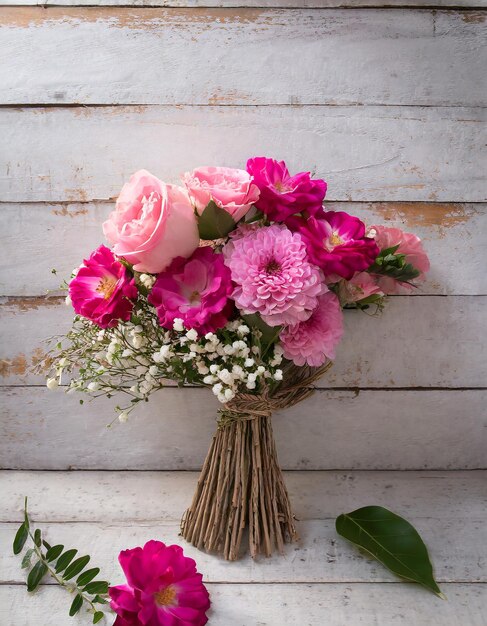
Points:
(283, 195)
(272, 274)
(196, 290)
(103, 291)
(314, 341)
(164, 588)
(336, 242)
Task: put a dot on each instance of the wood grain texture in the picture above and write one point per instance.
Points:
(60, 235)
(320, 555)
(416, 342)
(331, 430)
(195, 56)
(274, 605)
(284, 4)
(120, 497)
(365, 153)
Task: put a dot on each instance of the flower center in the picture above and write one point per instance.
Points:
(166, 596)
(106, 286)
(336, 240)
(195, 298)
(272, 267)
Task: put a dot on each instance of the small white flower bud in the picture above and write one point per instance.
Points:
(94, 386)
(52, 383)
(192, 334)
(123, 417)
(178, 324)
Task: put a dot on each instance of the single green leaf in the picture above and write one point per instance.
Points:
(27, 558)
(35, 576)
(38, 538)
(87, 577)
(20, 538)
(98, 586)
(46, 545)
(64, 560)
(54, 552)
(214, 222)
(98, 616)
(26, 517)
(76, 605)
(392, 540)
(99, 600)
(269, 333)
(76, 567)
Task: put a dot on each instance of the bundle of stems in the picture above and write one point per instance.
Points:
(241, 487)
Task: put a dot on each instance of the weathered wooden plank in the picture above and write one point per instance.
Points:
(70, 231)
(333, 429)
(259, 4)
(365, 153)
(273, 605)
(319, 557)
(144, 56)
(119, 497)
(416, 342)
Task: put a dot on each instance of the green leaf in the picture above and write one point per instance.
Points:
(46, 545)
(269, 333)
(35, 576)
(20, 538)
(100, 600)
(98, 586)
(86, 577)
(98, 616)
(38, 538)
(76, 567)
(54, 552)
(392, 540)
(214, 222)
(64, 560)
(76, 605)
(27, 557)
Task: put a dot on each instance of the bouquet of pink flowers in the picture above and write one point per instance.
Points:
(235, 281)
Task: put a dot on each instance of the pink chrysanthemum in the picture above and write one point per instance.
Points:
(103, 291)
(281, 194)
(273, 276)
(164, 588)
(314, 341)
(336, 242)
(196, 290)
(410, 245)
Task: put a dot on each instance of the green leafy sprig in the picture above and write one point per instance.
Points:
(388, 263)
(42, 559)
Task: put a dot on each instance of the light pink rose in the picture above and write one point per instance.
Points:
(410, 245)
(152, 224)
(360, 286)
(231, 189)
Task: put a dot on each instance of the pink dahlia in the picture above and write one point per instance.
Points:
(314, 341)
(281, 194)
(410, 245)
(103, 291)
(163, 588)
(273, 275)
(336, 242)
(197, 290)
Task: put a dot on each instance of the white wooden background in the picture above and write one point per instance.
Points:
(384, 99)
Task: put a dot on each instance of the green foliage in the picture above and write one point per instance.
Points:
(392, 540)
(388, 263)
(214, 222)
(59, 564)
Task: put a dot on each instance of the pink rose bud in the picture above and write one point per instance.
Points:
(152, 224)
(231, 189)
